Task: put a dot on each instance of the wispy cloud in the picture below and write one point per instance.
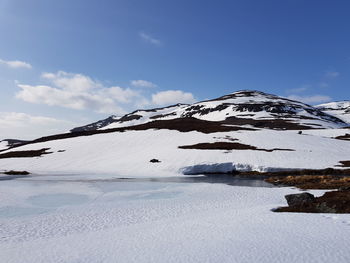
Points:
(150, 39)
(312, 99)
(19, 119)
(15, 64)
(12, 125)
(302, 89)
(332, 74)
(172, 97)
(143, 84)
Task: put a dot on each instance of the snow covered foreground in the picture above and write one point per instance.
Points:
(45, 219)
(128, 154)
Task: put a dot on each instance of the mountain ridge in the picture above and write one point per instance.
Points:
(340, 109)
(243, 105)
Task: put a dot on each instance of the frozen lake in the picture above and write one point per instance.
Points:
(217, 218)
(47, 193)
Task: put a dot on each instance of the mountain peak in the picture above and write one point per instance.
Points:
(243, 107)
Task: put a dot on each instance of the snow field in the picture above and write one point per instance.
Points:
(127, 154)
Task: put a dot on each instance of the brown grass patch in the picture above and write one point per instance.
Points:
(227, 146)
(25, 154)
(327, 171)
(279, 124)
(344, 164)
(187, 125)
(311, 181)
(345, 137)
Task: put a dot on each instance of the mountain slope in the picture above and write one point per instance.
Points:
(340, 109)
(128, 153)
(251, 108)
(130, 119)
(7, 143)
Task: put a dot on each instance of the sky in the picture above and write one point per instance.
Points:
(72, 62)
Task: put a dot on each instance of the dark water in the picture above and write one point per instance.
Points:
(211, 179)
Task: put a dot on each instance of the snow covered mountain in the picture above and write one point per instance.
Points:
(252, 108)
(245, 130)
(340, 109)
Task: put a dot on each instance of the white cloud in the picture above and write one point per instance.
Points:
(18, 119)
(143, 84)
(172, 97)
(143, 103)
(149, 39)
(99, 102)
(12, 125)
(80, 92)
(71, 81)
(332, 74)
(77, 91)
(121, 95)
(299, 90)
(15, 64)
(313, 99)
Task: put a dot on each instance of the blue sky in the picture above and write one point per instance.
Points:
(66, 63)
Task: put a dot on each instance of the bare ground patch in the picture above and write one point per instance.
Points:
(344, 164)
(25, 154)
(296, 172)
(228, 146)
(311, 181)
(345, 137)
(330, 202)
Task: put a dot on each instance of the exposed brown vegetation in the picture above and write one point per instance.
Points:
(180, 124)
(327, 171)
(25, 154)
(187, 125)
(345, 137)
(268, 123)
(311, 181)
(227, 146)
(344, 164)
(330, 202)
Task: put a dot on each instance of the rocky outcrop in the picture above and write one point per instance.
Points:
(299, 199)
(330, 202)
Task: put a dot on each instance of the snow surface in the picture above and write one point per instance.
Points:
(337, 105)
(102, 221)
(339, 109)
(128, 154)
(341, 114)
(3, 145)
